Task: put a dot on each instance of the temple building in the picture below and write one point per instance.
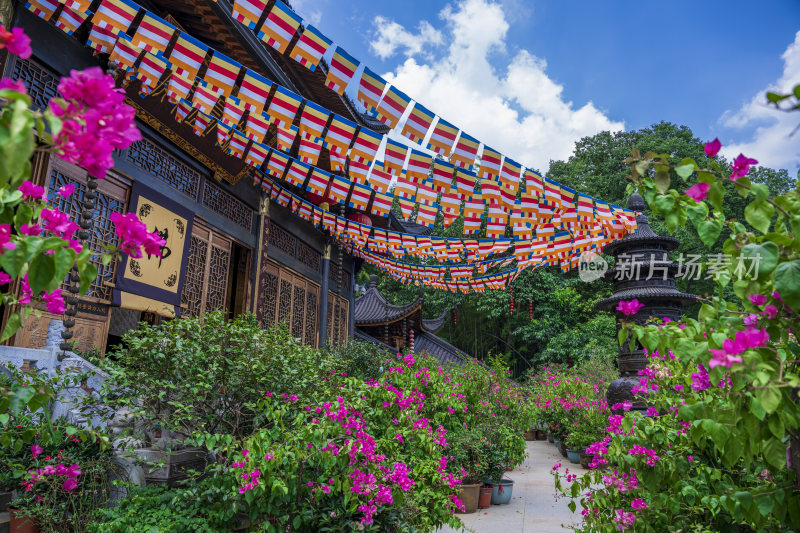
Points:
(229, 246)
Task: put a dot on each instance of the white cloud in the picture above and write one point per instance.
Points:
(770, 142)
(508, 102)
(310, 10)
(391, 37)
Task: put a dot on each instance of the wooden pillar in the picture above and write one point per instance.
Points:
(323, 297)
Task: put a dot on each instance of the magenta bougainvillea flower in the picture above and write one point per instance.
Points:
(55, 302)
(32, 191)
(133, 235)
(630, 307)
(12, 85)
(16, 42)
(65, 191)
(758, 299)
(712, 148)
(5, 238)
(698, 191)
(741, 166)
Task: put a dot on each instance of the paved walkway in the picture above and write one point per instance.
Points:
(533, 508)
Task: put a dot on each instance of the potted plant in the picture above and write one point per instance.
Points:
(579, 439)
(467, 449)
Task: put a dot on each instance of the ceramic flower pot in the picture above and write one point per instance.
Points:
(469, 497)
(501, 493)
(556, 442)
(22, 524)
(574, 456)
(485, 497)
(585, 459)
(562, 448)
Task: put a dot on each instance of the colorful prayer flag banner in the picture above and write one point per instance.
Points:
(426, 194)
(567, 196)
(151, 69)
(510, 173)
(490, 191)
(491, 161)
(443, 137)
(406, 208)
(222, 73)
(69, 20)
(125, 54)
(585, 208)
(187, 56)
(465, 151)
(283, 106)
(508, 195)
(232, 111)
(205, 100)
(394, 156)
(310, 47)
(359, 198)
(153, 34)
(223, 134)
(238, 144)
(426, 215)
(379, 178)
(278, 161)
(257, 154)
(178, 88)
(182, 110)
(298, 171)
(318, 181)
(366, 145)
(248, 12)
(285, 137)
(313, 119)
(465, 181)
(392, 106)
(342, 68)
(337, 159)
(382, 204)
(254, 91)
(115, 15)
(358, 172)
(279, 27)
(442, 175)
(256, 126)
(419, 166)
(44, 9)
(340, 133)
(370, 89)
(405, 189)
(534, 184)
(418, 123)
(340, 189)
(309, 149)
(101, 40)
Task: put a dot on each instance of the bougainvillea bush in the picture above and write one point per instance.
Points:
(718, 447)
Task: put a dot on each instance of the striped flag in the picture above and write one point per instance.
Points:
(205, 100)
(473, 214)
(297, 173)
(379, 178)
(370, 89)
(125, 54)
(508, 195)
(342, 68)
(254, 91)
(151, 69)
(340, 189)
(248, 12)
(153, 34)
(310, 47)
(426, 214)
(285, 137)
(465, 151)
(313, 120)
(451, 207)
(182, 110)
(490, 163)
(510, 173)
(382, 204)
(585, 209)
(534, 184)
(520, 225)
(394, 156)
(418, 123)
(406, 189)
(552, 192)
(101, 40)
(238, 144)
(280, 26)
(442, 175)
(340, 133)
(278, 161)
(115, 15)
(318, 182)
(406, 207)
(283, 106)
(366, 145)
(419, 165)
(305, 211)
(187, 56)
(443, 137)
(392, 106)
(70, 20)
(178, 88)
(81, 6)
(490, 191)
(337, 159)
(223, 133)
(256, 126)
(222, 73)
(465, 181)
(358, 172)
(426, 195)
(232, 111)
(257, 154)
(309, 149)
(44, 9)
(602, 211)
(359, 198)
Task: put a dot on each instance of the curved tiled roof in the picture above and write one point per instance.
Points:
(650, 293)
(433, 325)
(372, 308)
(442, 350)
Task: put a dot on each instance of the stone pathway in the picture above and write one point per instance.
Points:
(533, 508)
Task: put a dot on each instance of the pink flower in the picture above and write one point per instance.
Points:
(55, 302)
(269, 457)
(29, 190)
(5, 279)
(70, 484)
(698, 191)
(770, 311)
(12, 85)
(639, 504)
(700, 381)
(741, 166)
(33, 230)
(58, 223)
(629, 308)
(326, 489)
(36, 450)
(691, 458)
(133, 235)
(27, 292)
(399, 438)
(712, 148)
(65, 191)
(16, 42)
(5, 238)
(678, 387)
(721, 358)
(758, 299)
(750, 320)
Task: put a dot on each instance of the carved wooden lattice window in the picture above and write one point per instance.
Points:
(112, 196)
(293, 247)
(227, 205)
(41, 82)
(205, 286)
(160, 163)
(338, 317)
(293, 299)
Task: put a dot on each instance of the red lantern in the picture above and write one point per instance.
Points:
(314, 198)
(512, 300)
(411, 339)
(455, 317)
(361, 218)
(530, 309)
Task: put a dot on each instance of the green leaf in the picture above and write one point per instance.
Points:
(88, 273)
(706, 312)
(709, 231)
(765, 504)
(13, 261)
(684, 171)
(715, 194)
(64, 259)
(622, 335)
(775, 453)
(776, 426)
(765, 256)
(770, 399)
(760, 190)
(759, 215)
(12, 325)
(661, 179)
(23, 215)
(41, 272)
(786, 279)
(572, 505)
(774, 98)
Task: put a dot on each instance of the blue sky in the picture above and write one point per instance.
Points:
(531, 77)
